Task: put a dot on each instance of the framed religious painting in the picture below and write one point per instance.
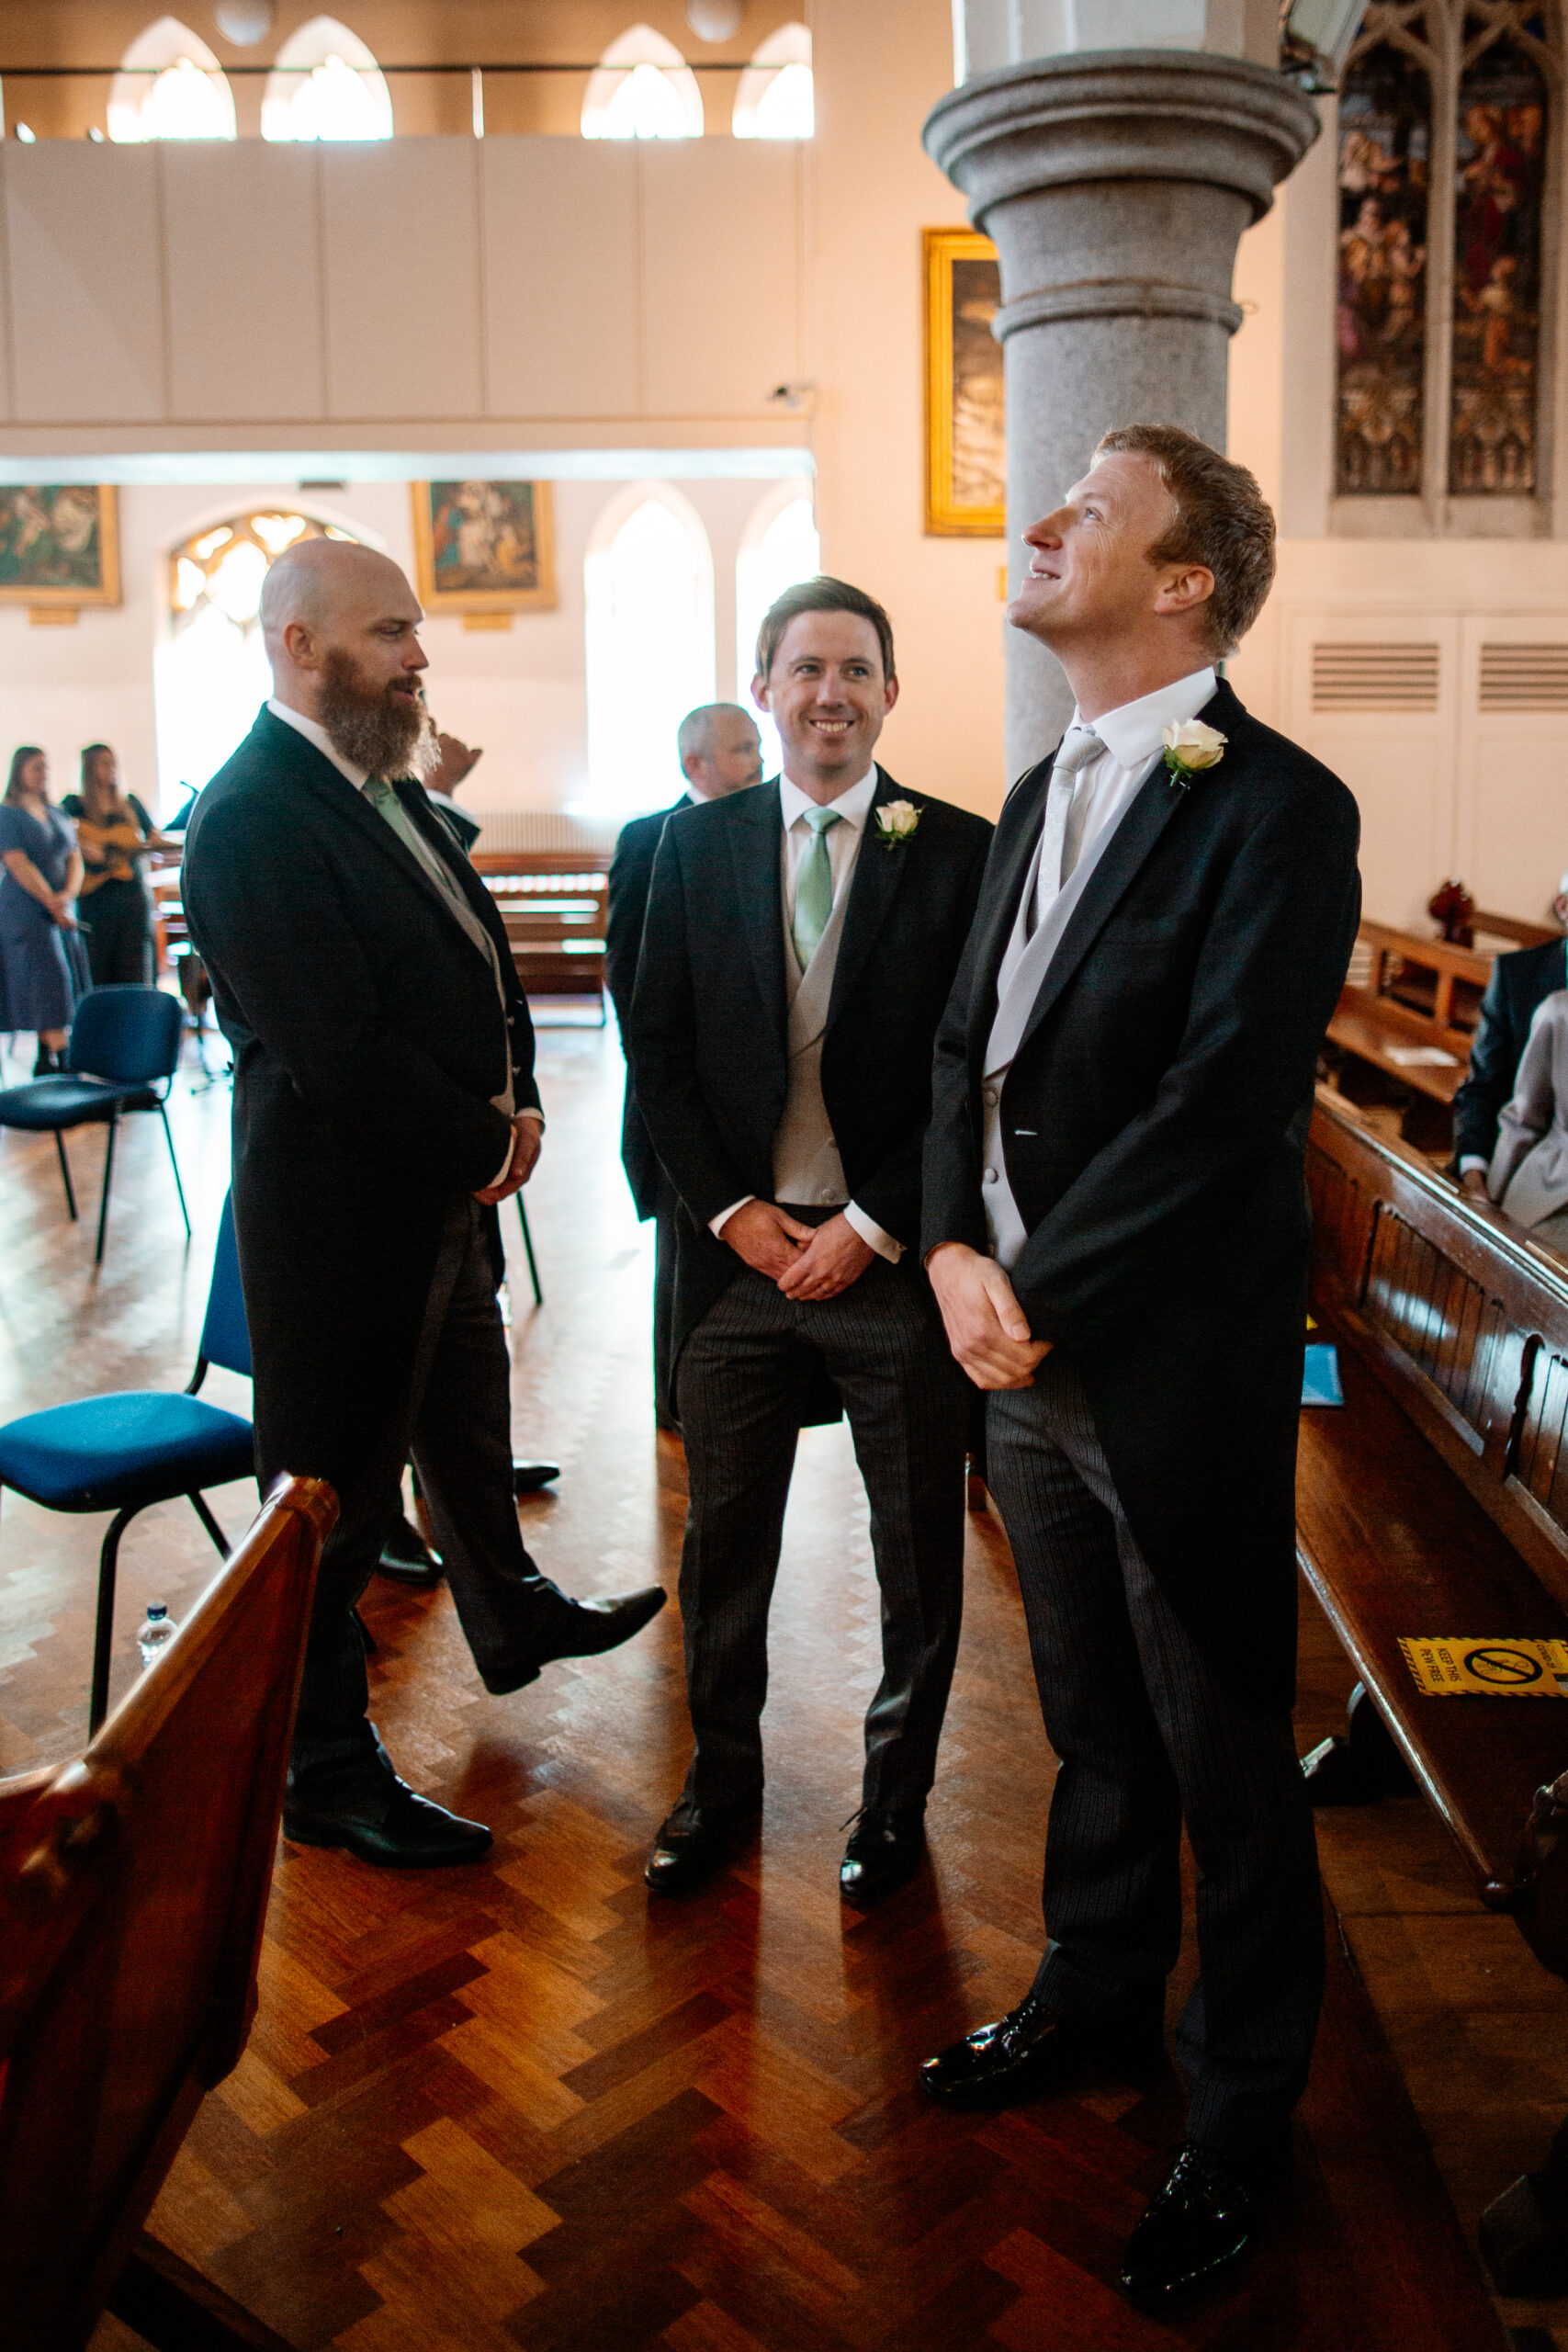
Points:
(59, 546)
(484, 546)
(966, 444)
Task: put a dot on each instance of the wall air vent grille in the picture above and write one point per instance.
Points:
(1374, 677)
(1524, 677)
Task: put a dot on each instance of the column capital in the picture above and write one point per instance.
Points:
(1139, 114)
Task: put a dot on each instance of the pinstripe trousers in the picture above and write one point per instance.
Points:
(1149, 1735)
(741, 1383)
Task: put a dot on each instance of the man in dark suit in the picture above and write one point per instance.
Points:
(800, 941)
(1519, 982)
(384, 1102)
(1115, 1228)
(720, 752)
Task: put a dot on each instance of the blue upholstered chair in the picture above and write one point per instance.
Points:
(144, 1445)
(124, 1043)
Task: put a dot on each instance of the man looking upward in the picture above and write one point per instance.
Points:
(1115, 1228)
(800, 941)
(384, 1102)
(720, 752)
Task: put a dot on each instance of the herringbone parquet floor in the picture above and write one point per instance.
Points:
(515, 2108)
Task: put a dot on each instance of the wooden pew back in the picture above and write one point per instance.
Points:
(133, 1888)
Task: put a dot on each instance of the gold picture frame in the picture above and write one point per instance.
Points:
(966, 480)
(485, 547)
(59, 545)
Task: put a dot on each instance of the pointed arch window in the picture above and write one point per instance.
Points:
(1445, 290)
(775, 97)
(642, 88)
(170, 85)
(326, 84)
(649, 623)
(778, 547)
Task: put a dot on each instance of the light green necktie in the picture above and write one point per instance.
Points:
(814, 887)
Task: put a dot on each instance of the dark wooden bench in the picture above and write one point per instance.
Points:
(1436, 1503)
(1402, 1027)
(555, 904)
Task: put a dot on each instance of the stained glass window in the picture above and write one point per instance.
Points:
(1386, 141)
(1500, 174)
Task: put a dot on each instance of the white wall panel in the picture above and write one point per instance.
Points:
(403, 296)
(85, 246)
(244, 281)
(1513, 777)
(561, 289)
(721, 274)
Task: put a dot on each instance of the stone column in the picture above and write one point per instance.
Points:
(1115, 184)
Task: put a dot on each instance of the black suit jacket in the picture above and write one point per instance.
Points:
(631, 877)
(367, 1048)
(1155, 1122)
(709, 1020)
(1519, 982)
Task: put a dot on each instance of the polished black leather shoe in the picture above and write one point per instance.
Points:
(695, 1841)
(528, 1477)
(1032, 2052)
(555, 1627)
(407, 1558)
(365, 1807)
(886, 1848)
(1201, 2227)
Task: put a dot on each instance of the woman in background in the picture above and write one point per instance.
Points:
(114, 833)
(42, 875)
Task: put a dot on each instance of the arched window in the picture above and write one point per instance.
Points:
(1441, 290)
(170, 85)
(778, 547)
(643, 89)
(649, 578)
(776, 97)
(211, 671)
(326, 84)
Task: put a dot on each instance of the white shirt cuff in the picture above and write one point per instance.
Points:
(1472, 1159)
(871, 1233)
(717, 1223)
(532, 1111)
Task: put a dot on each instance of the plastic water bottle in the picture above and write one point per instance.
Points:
(157, 1632)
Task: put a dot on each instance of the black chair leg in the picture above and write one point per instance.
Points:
(102, 1637)
(108, 1179)
(65, 1174)
(175, 1164)
(528, 1249)
(198, 1505)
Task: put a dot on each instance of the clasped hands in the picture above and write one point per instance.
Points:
(987, 1328)
(807, 1262)
(527, 1136)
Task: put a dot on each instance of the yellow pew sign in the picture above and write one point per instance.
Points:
(1456, 1667)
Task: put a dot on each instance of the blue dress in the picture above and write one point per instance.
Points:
(34, 959)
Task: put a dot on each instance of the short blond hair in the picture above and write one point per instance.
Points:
(1223, 521)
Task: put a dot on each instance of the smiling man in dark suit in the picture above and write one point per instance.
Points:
(799, 945)
(720, 752)
(384, 1102)
(1115, 1226)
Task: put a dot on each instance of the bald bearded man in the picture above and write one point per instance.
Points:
(384, 1102)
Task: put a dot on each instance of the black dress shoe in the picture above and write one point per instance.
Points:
(884, 1850)
(528, 1477)
(364, 1807)
(1032, 2052)
(1200, 2226)
(407, 1558)
(556, 1627)
(694, 1842)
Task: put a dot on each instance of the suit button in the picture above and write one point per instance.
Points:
(990, 1098)
(829, 1196)
(990, 1175)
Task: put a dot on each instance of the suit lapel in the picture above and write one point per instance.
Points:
(872, 887)
(458, 864)
(754, 839)
(315, 770)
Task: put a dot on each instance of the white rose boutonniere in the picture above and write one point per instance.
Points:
(895, 821)
(1190, 747)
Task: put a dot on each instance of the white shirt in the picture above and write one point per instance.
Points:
(1103, 790)
(843, 842)
(314, 732)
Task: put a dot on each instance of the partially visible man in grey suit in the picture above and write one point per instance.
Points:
(720, 752)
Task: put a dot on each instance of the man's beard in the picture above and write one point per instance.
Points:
(374, 728)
